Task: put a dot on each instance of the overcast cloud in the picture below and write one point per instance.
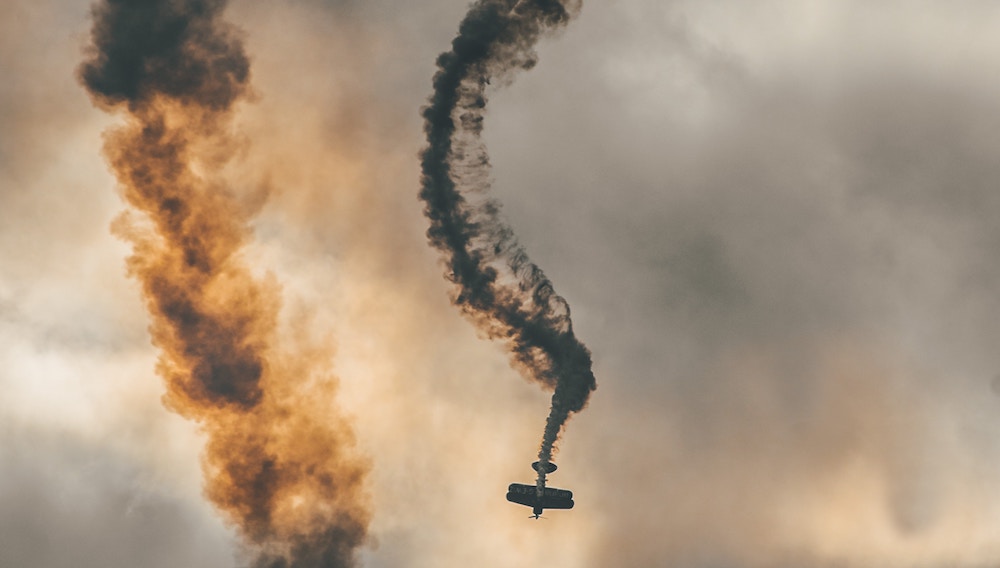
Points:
(774, 223)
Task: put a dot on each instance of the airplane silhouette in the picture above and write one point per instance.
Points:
(538, 496)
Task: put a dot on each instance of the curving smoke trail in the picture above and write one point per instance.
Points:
(278, 463)
(497, 285)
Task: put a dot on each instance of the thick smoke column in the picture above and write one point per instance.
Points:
(278, 463)
(497, 285)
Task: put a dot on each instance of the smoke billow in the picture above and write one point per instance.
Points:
(497, 286)
(279, 463)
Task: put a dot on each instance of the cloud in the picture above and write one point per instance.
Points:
(69, 502)
(774, 224)
(757, 192)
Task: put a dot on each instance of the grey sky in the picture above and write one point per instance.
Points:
(774, 224)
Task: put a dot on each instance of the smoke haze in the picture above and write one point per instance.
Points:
(775, 223)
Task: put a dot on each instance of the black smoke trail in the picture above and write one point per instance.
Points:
(496, 284)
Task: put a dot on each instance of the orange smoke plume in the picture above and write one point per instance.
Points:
(279, 463)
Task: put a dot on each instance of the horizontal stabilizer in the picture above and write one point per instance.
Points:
(549, 467)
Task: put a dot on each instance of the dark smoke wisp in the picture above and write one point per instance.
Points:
(496, 284)
(278, 463)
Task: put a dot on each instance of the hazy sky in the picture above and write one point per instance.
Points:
(774, 222)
